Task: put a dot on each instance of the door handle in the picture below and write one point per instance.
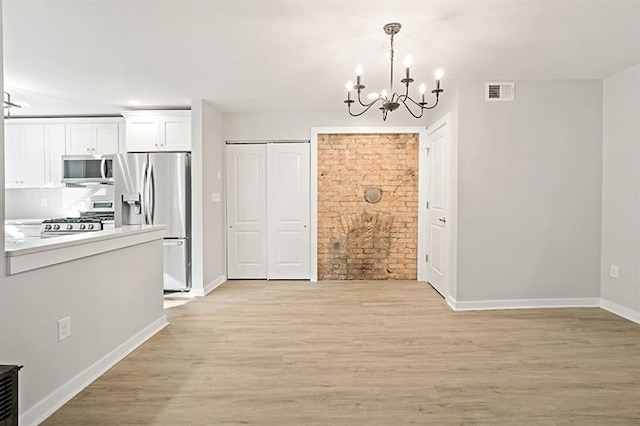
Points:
(145, 194)
(442, 219)
(152, 195)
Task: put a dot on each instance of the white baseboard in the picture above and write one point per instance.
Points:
(485, 305)
(595, 302)
(209, 287)
(47, 406)
(621, 311)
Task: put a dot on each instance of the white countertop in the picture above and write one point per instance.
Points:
(26, 256)
(23, 221)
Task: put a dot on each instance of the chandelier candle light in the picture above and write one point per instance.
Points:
(391, 103)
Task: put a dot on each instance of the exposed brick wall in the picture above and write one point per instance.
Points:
(358, 239)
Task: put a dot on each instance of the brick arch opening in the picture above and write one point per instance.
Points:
(357, 237)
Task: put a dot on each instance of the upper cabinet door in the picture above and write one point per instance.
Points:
(176, 132)
(150, 131)
(34, 165)
(13, 156)
(54, 139)
(142, 133)
(24, 156)
(92, 138)
(105, 137)
(80, 139)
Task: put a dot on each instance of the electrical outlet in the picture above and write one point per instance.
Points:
(43, 202)
(614, 271)
(64, 328)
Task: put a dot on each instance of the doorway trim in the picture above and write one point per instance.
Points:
(422, 140)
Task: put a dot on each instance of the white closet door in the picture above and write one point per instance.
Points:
(246, 211)
(288, 235)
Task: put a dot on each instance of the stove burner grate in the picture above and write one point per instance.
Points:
(72, 220)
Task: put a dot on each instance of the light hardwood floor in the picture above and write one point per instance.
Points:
(368, 353)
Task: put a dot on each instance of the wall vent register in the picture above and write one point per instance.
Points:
(500, 91)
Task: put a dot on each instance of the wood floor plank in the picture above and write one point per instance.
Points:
(367, 353)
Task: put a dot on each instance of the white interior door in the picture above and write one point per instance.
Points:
(246, 211)
(288, 251)
(438, 143)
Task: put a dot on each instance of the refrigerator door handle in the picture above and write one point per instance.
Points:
(145, 196)
(171, 243)
(152, 195)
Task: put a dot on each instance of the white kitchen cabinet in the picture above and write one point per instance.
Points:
(54, 149)
(25, 156)
(92, 138)
(148, 131)
(13, 156)
(34, 147)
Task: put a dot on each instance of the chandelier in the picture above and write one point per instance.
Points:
(392, 100)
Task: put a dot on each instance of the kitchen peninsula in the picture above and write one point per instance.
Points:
(108, 287)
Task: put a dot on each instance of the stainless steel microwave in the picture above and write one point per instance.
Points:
(80, 169)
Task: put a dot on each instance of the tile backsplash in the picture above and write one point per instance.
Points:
(46, 203)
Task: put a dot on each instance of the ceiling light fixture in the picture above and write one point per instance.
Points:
(391, 101)
(8, 105)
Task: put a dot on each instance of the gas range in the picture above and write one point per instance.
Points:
(76, 225)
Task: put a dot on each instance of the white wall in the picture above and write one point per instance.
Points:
(529, 192)
(208, 216)
(27, 203)
(288, 125)
(2, 202)
(197, 233)
(214, 244)
(621, 189)
(109, 298)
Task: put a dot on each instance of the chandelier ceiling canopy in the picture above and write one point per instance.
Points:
(390, 101)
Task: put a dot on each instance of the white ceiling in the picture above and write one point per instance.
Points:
(91, 57)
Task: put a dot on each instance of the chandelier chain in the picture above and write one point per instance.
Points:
(391, 78)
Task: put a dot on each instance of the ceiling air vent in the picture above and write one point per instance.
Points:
(500, 91)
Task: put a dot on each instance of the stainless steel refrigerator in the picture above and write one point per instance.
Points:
(155, 188)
